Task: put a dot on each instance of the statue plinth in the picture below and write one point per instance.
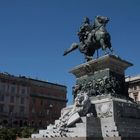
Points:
(111, 62)
(104, 81)
(118, 118)
(104, 75)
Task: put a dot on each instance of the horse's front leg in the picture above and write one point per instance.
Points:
(88, 58)
(103, 45)
(111, 50)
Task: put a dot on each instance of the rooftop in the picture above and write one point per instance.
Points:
(8, 76)
(133, 79)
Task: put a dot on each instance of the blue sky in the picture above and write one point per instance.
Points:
(34, 34)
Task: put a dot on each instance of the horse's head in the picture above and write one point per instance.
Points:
(86, 20)
(101, 21)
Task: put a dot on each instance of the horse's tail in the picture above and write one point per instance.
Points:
(73, 47)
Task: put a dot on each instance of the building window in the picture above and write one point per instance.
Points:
(41, 103)
(22, 91)
(1, 108)
(33, 105)
(135, 95)
(11, 109)
(12, 99)
(33, 110)
(48, 111)
(135, 87)
(138, 87)
(3, 87)
(40, 122)
(33, 101)
(1, 97)
(22, 109)
(22, 100)
(13, 89)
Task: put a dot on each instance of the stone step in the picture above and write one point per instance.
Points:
(129, 134)
(56, 121)
(110, 127)
(71, 135)
(36, 136)
(95, 132)
(42, 131)
(128, 128)
(111, 134)
(77, 134)
(80, 125)
(76, 130)
(128, 121)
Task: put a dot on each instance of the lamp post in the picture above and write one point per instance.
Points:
(11, 119)
(50, 112)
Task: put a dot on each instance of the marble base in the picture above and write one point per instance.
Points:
(112, 118)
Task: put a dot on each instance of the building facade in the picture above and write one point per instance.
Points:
(134, 87)
(26, 101)
(14, 95)
(46, 101)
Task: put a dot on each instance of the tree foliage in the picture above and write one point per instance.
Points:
(12, 133)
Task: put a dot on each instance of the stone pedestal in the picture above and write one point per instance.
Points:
(118, 117)
(111, 62)
(112, 114)
(108, 67)
(115, 115)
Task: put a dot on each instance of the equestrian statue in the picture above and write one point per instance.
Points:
(92, 37)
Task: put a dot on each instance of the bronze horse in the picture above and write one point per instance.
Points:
(92, 38)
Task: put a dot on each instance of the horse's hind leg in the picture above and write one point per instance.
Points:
(89, 55)
(111, 49)
(88, 58)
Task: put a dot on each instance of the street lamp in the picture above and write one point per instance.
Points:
(11, 119)
(50, 112)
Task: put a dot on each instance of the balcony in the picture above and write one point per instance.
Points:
(5, 114)
(21, 115)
